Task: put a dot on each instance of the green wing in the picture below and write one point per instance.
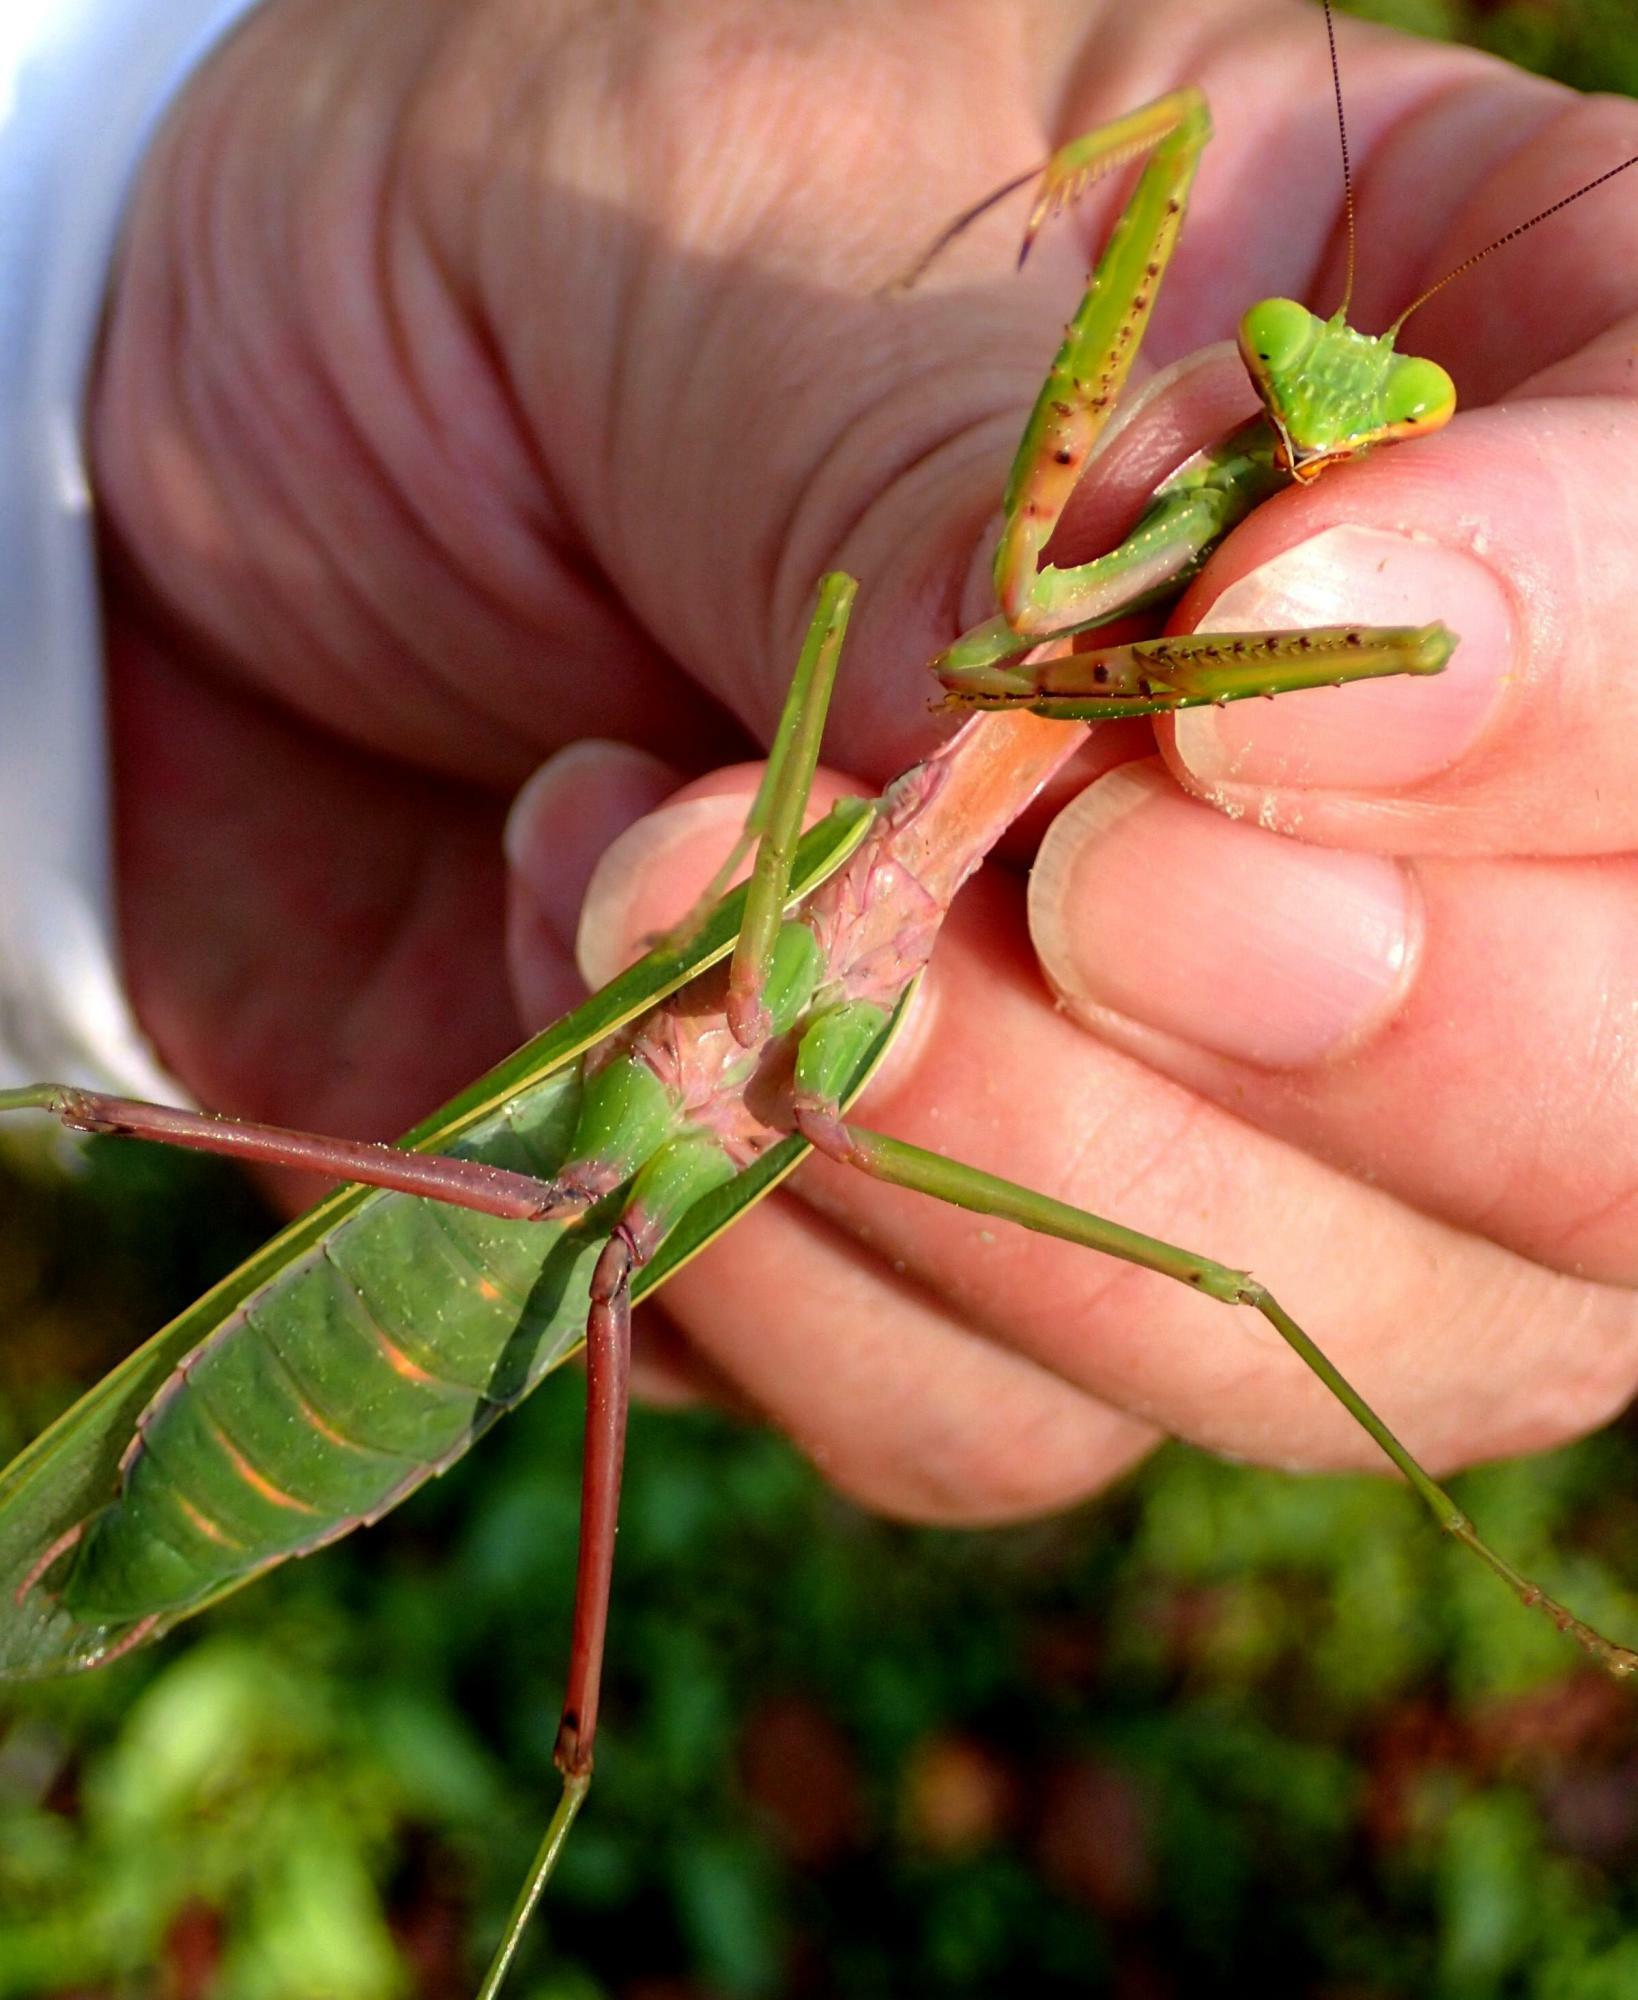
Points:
(71, 1469)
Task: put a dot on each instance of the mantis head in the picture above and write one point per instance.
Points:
(1332, 393)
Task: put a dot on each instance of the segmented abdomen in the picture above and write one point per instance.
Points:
(367, 1366)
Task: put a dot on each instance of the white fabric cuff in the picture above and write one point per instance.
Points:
(83, 84)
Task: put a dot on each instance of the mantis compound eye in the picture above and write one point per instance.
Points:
(1275, 335)
(1418, 395)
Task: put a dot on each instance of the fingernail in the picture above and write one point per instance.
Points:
(650, 878)
(569, 811)
(1147, 906)
(1370, 736)
(562, 821)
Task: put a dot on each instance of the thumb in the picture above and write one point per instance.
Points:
(605, 852)
(652, 877)
(564, 820)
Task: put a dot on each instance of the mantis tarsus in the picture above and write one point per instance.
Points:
(232, 1432)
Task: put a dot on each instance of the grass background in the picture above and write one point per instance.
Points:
(1223, 1721)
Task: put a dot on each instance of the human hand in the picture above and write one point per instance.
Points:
(469, 376)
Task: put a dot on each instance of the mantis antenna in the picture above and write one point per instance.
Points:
(1510, 236)
(1467, 263)
(1347, 174)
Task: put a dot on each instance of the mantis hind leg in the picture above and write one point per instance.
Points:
(903, 1165)
(774, 822)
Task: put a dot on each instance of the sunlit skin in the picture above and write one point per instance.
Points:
(372, 568)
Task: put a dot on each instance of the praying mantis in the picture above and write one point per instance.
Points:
(587, 1165)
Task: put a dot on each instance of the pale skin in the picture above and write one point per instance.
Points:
(572, 472)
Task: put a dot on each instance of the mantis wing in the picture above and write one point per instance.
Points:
(70, 1471)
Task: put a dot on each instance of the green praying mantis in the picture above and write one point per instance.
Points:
(364, 1349)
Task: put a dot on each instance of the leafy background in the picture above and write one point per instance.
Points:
(1225, 1722)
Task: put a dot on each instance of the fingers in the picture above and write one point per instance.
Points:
(1441, 1327)
(559, 826)
(311, 935)
(899, 1401)
(1456, 1031)
(1516, 527)
(1466, 1349)
(1428, 984)
(303, 443)
(1495, 154)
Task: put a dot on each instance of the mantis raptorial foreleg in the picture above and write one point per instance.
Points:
(832, 1039)
(1328, 394)
(1100, 344)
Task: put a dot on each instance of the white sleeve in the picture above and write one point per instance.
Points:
(83, 84)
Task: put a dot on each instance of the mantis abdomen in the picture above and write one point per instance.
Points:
(366, 1366)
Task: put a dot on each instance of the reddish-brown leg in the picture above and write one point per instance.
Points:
(608, 1395)
(463, 1183)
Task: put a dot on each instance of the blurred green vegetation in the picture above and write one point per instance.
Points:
(1590, 43)
(1225, 1724)
(1226, 1721)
